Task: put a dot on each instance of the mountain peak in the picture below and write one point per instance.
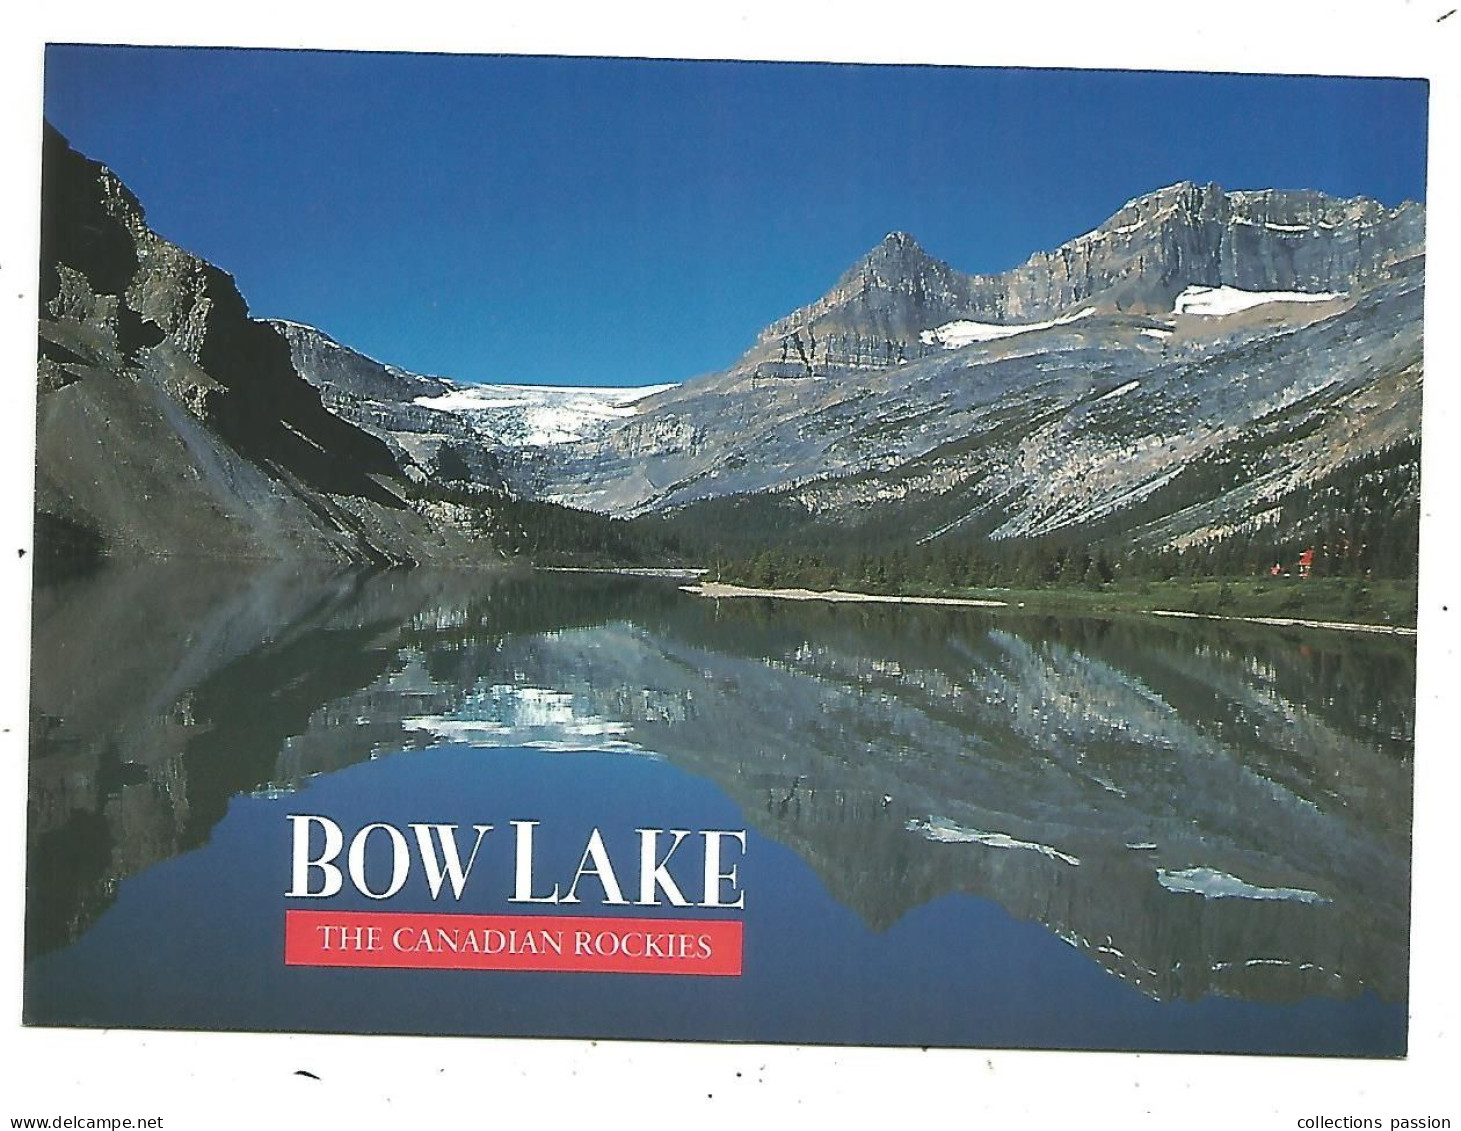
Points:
(889, 295)
(898, 256)
(897, 245)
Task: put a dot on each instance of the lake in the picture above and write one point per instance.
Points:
(963, 826)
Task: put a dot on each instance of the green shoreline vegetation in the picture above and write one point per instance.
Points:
(1038, 575)
(1380, 602)
(1231, 578)
(1361, 600)
(1358, 558)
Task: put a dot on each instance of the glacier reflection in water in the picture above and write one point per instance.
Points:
(1202, 812)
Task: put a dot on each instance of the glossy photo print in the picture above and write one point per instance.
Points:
(722, 551)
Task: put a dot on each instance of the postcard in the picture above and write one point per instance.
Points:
(710, 550)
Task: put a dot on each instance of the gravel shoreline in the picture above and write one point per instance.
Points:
(720, 589)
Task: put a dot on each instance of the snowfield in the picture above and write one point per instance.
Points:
(1214, 302)
(953, 335)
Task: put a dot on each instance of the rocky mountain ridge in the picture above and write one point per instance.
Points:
(172, 423)
(1154, 247)
(1171, 377)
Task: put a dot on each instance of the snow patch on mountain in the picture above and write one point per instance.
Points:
(1272, 227)
(1214, 302)
(1119, 391)
(964, 331)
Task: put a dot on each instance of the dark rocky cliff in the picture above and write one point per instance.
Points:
(171, 423)
(380, 399)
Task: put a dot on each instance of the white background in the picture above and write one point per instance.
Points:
(240, 1080)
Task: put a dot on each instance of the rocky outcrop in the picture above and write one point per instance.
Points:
(381, 399)
(873, 315)
(171, 423)
(1189, 235)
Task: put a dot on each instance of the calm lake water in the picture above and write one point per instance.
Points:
(964, 827)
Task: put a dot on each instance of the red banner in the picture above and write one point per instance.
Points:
(430, 941)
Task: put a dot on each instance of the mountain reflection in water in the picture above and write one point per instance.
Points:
(1199, 808)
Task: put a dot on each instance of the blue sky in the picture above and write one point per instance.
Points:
(603, 221)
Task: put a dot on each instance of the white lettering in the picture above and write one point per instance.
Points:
(400, 860)
(602, 869)
(524, 890)
(653, 875)
(714, 877)
(334, 841)
(446, 837)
